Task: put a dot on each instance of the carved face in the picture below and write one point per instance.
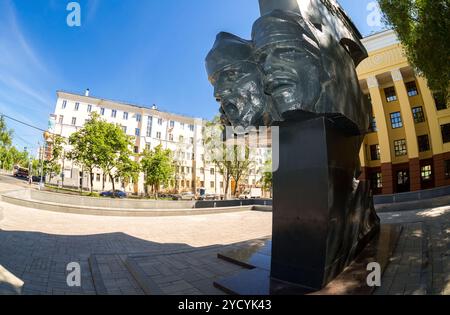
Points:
(292, 76)
(239, 89)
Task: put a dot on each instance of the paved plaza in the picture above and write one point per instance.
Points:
(178, 255)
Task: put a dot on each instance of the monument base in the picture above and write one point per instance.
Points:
(256, 279)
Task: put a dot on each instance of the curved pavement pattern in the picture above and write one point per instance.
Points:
(178, 255)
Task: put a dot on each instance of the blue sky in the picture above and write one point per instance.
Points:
(140, 51)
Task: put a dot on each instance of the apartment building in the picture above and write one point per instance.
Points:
(150, 127)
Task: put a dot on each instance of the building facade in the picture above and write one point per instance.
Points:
(409, 146)
(150, 128)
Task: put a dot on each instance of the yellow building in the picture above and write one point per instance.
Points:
(409, 146)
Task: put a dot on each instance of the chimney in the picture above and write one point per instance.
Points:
(87, 92)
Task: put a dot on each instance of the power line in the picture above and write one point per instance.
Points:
(29, 125)
(22, 122)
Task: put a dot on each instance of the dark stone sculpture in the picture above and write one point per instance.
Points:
(298, 73)
(238, 82)
(308, 72)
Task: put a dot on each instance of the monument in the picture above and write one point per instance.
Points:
(298, 73)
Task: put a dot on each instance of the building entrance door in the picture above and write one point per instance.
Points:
(403, 182)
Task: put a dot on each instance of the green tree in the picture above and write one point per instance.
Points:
(267, 177)
(241, 164)
(86, 144)
(52, 165)
(232, 160)
(5, 143)
(127, 170)
(158, 167)
(423, 27)
(113, 149)
(11, 157)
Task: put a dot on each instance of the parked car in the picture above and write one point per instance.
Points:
(114, 194)
(184, 196)
(253, 193)
(213, 197)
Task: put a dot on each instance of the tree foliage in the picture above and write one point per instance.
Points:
(127, 170)
(10, 155)
(423, 27)
(267, 177)
(113, 147)
(52, 166)
(232, 160)
(103, 145)
(157, 166)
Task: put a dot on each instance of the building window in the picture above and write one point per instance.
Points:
(391, 96)
(411, 87)
(402, 177)
(181, 139)
(136, 149)
(64, 104)
(202, 184)
(158, 135)
(445, 129)
(396, 120)
(138, 117)
(212, 184)
(170, 137)
(74, 121)
(418, 114)
(148, 146)
(124, 129)
(182, 125)
(102, 111)
(149, 126)
(202, 170)
(447, 169)
(191, 140)
(137, 132)
(400, 147)
(424, 143)
(426, 172)
(375, 152)
(61, 119)
(212, 171)
(160, 121)
(97, 177)
(172, 124)
(440, 102)
(221, 185)
(191, 127)
(89, 108)
(114, 113)
(376, 180)
(125, 115)
(373, 125)
(77, 106)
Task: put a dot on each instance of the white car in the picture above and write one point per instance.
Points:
(185, 196)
